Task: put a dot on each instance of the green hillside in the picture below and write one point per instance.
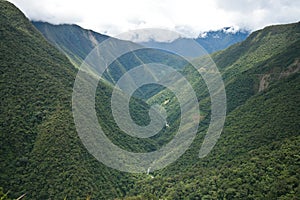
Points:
(257, 156)
(265, 54)
(251, 66)
(73, 40)
(76, 43)
(41, 155)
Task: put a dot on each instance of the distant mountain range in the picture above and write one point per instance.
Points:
(211, 41)
(77, 42)
(221, 39)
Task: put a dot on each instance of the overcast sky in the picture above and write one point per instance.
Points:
(189, 17)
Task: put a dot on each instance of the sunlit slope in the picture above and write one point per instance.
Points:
(257, 156)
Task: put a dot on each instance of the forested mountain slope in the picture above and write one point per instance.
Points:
(73, 40)
(41, 153)
(256, 157)
(76, 43)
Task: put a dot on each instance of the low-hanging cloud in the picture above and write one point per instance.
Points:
(189, 17)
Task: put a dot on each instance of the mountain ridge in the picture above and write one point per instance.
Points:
(76, 51)
(210, 41)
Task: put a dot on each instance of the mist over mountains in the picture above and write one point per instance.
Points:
(210, 41)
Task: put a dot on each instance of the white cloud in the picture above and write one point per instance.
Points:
(188, 17)
(256, 14)
(144, 35)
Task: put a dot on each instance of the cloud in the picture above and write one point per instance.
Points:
(145, 35)
(256, 14)
(189, 17)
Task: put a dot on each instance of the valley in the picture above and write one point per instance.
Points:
(42, 156)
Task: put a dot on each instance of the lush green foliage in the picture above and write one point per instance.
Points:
(257, 156)
(3, 196)
(76, 43)
(41, 154)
